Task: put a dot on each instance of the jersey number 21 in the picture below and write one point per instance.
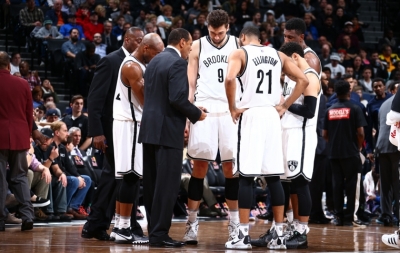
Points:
(260, 74)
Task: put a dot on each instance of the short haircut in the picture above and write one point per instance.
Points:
(378, 79)
(296, 24)
(56, 126)
(73, 130)
(42, 108)
(76, 97)
(4, 60)
(70, 31)
(14, 54)
(69, 139)
(289, 48)
(392, 86)
(176, 35)
(367, 68)
(250, 31)
(107, 22)
(47, 95)
(218, 18)
(326, 69)
(166, 8)
(346, 76)
(90, 46)
(342, 88)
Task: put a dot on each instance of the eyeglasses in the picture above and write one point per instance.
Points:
(96, 37)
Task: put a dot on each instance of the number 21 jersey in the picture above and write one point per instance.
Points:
(213, 65)
(260, 78)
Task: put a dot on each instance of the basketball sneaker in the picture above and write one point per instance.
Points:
(277, 242)
(240, 241)
(264, 239)
(113, 232)
(232, 230)
(297, 241)
(123, 236)
(190, 236)
(392, 240)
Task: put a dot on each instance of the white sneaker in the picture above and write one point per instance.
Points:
(124, 236)
(190, 236)
(113, 233)
(240, 241)
(233, 230)
(277, 242)
(392, 240)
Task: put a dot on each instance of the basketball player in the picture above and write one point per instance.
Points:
(259, 142)
(208, 62)
(299, 138)
(127, 113)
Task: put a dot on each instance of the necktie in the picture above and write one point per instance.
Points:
(108, 42)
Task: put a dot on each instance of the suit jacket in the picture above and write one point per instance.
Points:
(101, 95)
(16, 112)
(166, 104)
(114, 43)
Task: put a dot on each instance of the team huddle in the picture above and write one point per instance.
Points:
(237, 82)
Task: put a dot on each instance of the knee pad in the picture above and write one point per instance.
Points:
(246, 192)
(232, 188)
(276, 190)
(195, 188)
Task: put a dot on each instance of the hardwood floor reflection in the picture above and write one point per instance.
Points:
(212, 237)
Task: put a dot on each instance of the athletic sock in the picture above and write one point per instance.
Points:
(124, 222)
(117, 218)
(192, 216)
(235, 216)
(301, 227)
(279, 228)
(289, 215)
(244, 227)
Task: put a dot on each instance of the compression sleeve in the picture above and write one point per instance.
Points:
(307, 110)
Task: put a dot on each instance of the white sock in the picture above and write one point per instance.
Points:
(273, 223)
(279, 229)
(192, 216)
(124, 222)
(244, 227)
(235, 216)
(117, 218)
(301, 227)
(289, 215)
(295, 222)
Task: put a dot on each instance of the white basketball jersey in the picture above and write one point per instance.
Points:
(126, 106)
(291, 120)
(308, 49)
(213, 65)
(260, 80)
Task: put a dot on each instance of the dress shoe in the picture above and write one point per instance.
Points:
(2, 226)
(167, 243)
(11, 219)
(321, 220)
(100, 234)
(27, 225)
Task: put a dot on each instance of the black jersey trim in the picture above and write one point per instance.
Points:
(303, 145)
(311, 70)
(279, 58)
(314, 53)
(198, 159)
(245, 66)
(226, 42)
(237, 162)
(237, 44)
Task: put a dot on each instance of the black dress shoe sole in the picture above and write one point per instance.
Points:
(27, 225)
(191, 242)
(88, 235)
(163, 245)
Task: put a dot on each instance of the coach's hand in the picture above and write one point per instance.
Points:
(235, 113)
(99, 142)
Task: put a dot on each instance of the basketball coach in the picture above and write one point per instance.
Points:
(165, 110)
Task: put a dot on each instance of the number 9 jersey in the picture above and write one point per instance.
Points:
(260, 78)
(213, 65)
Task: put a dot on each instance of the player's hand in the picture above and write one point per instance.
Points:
(371, 157)
(99, 142)
(280, 109)
(63, 180)
(235, 113)
(202, 108)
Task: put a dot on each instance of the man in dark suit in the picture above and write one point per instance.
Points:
(100, 105)
(165, 110)
(16, 119)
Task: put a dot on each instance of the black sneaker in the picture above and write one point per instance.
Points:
(297, 241)
(113, 232)
(98, 234)
(266, 216)
(140, 239)
(124, 236)
(264, 239)
(40, 202)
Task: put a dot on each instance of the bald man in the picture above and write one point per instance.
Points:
(100, 105)
(127, 114)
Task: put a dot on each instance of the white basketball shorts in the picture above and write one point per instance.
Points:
(258, 151)
(211, 134)
(128, 153)
(299, 146)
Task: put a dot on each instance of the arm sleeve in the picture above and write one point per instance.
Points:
(306, 110)
(178, 87)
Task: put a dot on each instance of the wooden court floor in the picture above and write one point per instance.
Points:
(212, 237)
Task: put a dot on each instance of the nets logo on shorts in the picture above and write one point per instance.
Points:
(292, 165)
(339, 113)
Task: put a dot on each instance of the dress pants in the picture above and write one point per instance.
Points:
(162, 167)
(317, 186)
(389, 180)
(345, 177)
(18, 182)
